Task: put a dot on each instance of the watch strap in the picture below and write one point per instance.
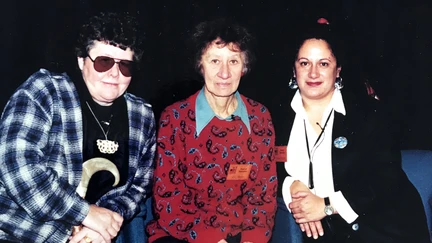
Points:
(327, 201)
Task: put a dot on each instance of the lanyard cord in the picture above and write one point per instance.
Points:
(311, 183)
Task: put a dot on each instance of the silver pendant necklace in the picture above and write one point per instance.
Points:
(105, 146)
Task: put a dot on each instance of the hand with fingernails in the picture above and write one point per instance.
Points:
(100, 224)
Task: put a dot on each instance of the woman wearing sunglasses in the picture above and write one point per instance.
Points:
(340, 174)
(54, 122)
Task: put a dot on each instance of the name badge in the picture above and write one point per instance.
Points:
(281, 153)
(238, 172)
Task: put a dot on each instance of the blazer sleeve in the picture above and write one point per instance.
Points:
(375, 173)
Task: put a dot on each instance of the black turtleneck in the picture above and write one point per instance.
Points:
(117, 117)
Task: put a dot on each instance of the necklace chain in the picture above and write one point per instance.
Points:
(105, 146)
(103, 130)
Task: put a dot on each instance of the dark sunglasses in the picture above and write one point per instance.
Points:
(103, 64)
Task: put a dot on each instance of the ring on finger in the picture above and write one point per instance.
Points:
(88, 239)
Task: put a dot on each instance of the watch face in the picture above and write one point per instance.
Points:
(328, 210)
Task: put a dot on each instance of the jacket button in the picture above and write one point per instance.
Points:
(355, 227)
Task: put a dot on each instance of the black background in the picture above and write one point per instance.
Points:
(391, 47)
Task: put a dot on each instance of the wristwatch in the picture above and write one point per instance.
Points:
(328, 209)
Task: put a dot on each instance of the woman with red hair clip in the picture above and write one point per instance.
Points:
(339, 166)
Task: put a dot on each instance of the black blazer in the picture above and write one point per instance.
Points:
(367, 171)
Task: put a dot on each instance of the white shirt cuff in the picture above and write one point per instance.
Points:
(341, 205)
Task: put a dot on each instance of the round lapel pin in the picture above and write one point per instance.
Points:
(340, 142)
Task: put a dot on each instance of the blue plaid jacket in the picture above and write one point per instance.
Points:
(41, 141)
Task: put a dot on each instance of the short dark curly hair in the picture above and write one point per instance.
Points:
(227, 31)
(117, 29)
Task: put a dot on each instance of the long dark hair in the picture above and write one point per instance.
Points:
(340, 39)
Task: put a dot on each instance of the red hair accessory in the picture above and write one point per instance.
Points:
(322, 21)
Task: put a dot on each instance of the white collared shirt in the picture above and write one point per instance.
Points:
(297, 164)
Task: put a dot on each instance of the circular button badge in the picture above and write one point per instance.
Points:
(340, 142)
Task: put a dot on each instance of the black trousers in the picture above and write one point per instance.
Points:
(170, 239)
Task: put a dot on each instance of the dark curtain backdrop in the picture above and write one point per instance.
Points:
(390, 46)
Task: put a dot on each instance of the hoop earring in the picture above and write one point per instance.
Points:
(293, 83)
(338, 83)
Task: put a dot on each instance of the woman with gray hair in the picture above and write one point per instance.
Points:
(215, 176)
